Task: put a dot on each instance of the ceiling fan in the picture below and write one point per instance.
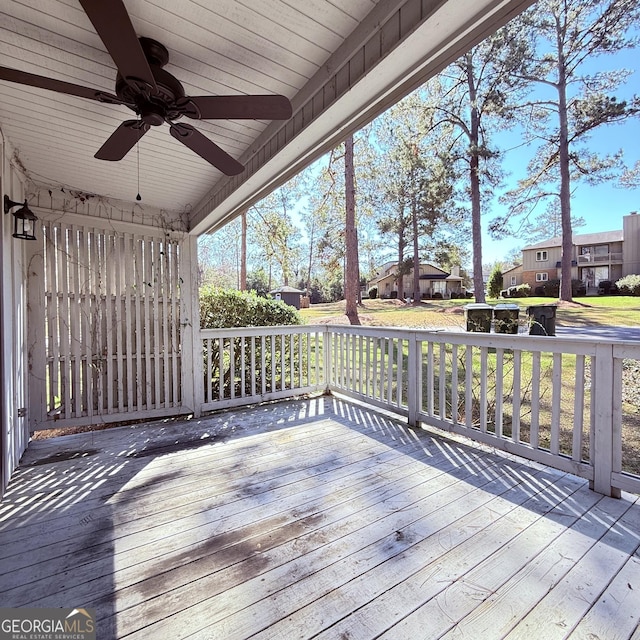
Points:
(152, 93)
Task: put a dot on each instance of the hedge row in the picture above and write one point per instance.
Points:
(223, 308)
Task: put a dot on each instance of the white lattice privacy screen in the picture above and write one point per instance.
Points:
(111, 326)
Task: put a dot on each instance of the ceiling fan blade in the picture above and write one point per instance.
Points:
(270, 107)
(112, 23)
(206, 149)
(122, 140)
(32, 80)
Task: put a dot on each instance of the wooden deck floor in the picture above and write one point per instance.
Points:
(314, 519)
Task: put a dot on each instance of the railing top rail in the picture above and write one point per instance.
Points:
(626, 350)
(577, 345)
(239, 332)
(520, 342)
(375, 332)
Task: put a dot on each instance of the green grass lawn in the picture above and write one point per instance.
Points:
(621, 311)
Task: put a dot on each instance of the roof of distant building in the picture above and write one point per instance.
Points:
(580, 239)
(517, 266)
(286, 289)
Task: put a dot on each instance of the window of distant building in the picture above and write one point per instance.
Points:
(542, 277)
(542, 256)
(439, 286)
(513, 280)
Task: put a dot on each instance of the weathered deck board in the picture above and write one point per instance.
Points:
(314, 518)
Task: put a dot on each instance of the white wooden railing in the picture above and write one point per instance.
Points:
(553, 400)
(260, 364)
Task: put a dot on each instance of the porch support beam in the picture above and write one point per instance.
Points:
(192, 372)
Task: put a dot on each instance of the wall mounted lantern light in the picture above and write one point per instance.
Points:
(24, 219)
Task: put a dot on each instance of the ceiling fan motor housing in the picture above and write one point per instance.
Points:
(153, 107)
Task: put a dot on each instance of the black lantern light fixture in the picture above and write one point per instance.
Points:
(24, 220)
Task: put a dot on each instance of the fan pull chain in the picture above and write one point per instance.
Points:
(138, 197)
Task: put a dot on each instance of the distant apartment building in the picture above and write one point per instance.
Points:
(608, 255)
(433, 280)
(512, 277)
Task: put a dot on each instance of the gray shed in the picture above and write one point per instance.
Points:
(289, 295)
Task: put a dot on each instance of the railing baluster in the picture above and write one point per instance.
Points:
(243, 367)
(209, 388)
(374, 371)
(274, 362)
(454, 384)
(468, 385)
(516, 402)
(390, 376)
(499, 401)
(232, 368)
(430, 378)
(442, 376)
(535, 400)
(578, 411)
(221, 370)
(556, 385)
(263, 363)
(253, 365)
(360, 368)
(399, 370)
(483, 389)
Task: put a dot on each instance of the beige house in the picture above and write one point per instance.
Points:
(512, 277)
(433, 282)
(608, 255)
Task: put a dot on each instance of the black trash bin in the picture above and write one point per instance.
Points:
(542, 320)
(478, 317)
(506, 318)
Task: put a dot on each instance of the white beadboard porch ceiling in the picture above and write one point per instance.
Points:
(340, 62)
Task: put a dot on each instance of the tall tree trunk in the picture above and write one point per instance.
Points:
(416, 255)
(243, 254)
(474, 180)
(351, 284)
(401, 246)
(311, 234)
(566, 293)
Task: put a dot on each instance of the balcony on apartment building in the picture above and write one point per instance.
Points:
(598, 255)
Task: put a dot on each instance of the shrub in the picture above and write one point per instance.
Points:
(629, 285)
(538, 291)
(437, 296)
(373, 293)
(519, 291)
(551, 288)
(495, 282)
(220, 308)
(578, 288)
(607, 288)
